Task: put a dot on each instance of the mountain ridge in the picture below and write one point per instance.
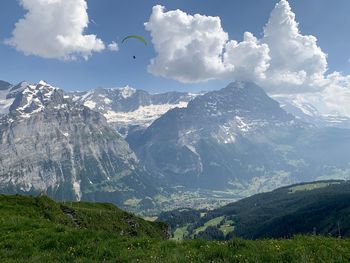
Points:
(126, 108)
(223, 146)
(235, 142)
(52, 144)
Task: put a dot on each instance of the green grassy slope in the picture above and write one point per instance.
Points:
(37, 230)
(24, 213)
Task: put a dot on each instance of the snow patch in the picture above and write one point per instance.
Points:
(107, 101)
(143, 116)
(127, 92)
(90, 104)
(244, 127)
(42, 82)
(192, 149)
(85, 96)
(305, 108)
(35, 97)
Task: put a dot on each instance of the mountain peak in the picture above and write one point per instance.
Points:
(43, 83)
(127, 91)
(241, 84)
(242, 99)
(33, 98)
(42, 88)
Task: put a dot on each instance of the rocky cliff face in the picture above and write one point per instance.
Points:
(52, 144)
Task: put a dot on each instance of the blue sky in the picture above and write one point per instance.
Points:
(327, 20)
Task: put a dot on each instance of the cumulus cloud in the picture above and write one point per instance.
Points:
(336, 95)
(189, 47)
(299, 66)
(54, 29)
(195, 48)
(113, 46)
(296, 60)
(247, 60)
(334, 99)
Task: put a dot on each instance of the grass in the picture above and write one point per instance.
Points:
(87, 246)
(20, 213)
(213, 222)
(36, 230)
(180, 233)
(310, 186)
(227, 227)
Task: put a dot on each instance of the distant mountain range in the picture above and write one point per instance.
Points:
(150, 152)
(308, 113)
(127, 108)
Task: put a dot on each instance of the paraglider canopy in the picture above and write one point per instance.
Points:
(140, 38)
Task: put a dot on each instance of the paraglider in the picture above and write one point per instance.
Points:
(140, 38)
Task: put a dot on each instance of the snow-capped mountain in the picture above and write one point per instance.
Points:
(32, 99)
(191, 150)
(127, 107)
(51, 144)
(238, 141)
(307, 112)
(173, 144)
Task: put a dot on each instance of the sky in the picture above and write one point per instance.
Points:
(298, 48)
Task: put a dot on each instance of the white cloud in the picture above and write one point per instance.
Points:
(196, 48)
(299, 66)
(334, 99)
(113, 46)
(296, 60)
(189, 47)
(54, 29)
(248, 59)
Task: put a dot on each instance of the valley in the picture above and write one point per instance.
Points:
(315, 208)
(216, 148)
